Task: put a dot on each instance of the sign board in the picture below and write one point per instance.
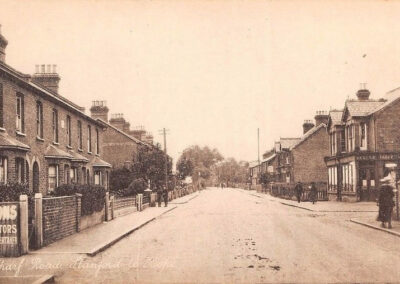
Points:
(9, 229)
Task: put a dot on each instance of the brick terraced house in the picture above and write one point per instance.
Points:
(120, 144)
(45, 139)
(364, 136)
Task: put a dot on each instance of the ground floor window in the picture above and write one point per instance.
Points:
(97, 178)
(19, 170)
(348, 177)
(332, 178)
(3, 170)
(53, 177)
(73, 175)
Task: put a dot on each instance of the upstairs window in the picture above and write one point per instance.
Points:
(350, 141)
(343, 141)
(333, 143)
(39, 119)
(97, 142)
(55, 125)
(69, 137)
(79, 134)
(20, 113)
(89, 139)
(363, 136)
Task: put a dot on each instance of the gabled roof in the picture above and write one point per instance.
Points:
(308, 134)
(8, 142)
(357, 108)
(53, 152)
(335, 117)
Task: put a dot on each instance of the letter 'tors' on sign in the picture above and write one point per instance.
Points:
(8, 212)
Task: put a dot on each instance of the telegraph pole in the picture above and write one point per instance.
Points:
(164, 133)
(258, 145)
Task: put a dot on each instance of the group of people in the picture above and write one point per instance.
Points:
(313, 196)
(162, 193)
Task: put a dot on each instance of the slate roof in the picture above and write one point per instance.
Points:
(78, 157)
(8, 142)
(53, 152)
(269, 158)
(362, 108)
(336, 117)
(97, 162)
(308, 134)
(286, 143)
(390, 97)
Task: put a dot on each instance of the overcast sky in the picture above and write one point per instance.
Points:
(211, 72)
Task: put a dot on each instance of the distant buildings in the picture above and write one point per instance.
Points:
(120, 144)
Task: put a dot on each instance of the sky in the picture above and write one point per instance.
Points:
(211, 72)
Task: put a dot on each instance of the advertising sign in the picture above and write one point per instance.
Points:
(9, 234)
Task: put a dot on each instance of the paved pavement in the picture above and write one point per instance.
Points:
(230, 236)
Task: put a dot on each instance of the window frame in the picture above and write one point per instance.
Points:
(20, 113)
(68, 130)
(55, 125)
(3, 169)
(89, 138)
(39, 119)
(56, 177)
(80, 139)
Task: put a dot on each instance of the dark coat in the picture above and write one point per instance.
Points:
(385, 203)
(313, 192)
(298, 189)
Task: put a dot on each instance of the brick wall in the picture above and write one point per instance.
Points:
(388, 128)
(60, 218)
(308, 158)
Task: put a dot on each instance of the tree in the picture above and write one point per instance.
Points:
(202, 160)
(185, 167)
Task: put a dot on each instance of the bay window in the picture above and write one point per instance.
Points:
(3, 170)
(52, 177)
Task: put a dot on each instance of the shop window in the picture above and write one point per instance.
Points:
(53, 177)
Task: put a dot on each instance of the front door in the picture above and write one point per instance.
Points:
(366, 184)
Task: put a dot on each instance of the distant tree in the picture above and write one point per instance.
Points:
(184, 167)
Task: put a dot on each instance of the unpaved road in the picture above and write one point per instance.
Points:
(230, 236)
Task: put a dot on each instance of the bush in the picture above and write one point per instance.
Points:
(92, 196)
(11, 191)
(135, 187)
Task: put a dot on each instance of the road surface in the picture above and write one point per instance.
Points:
(229, 235)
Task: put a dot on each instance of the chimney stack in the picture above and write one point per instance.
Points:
(47, 77)
(363, 93)
(117, 120)
(99, 110)
(321, 117)
(126, 127)
(3, 45)
(307, 125)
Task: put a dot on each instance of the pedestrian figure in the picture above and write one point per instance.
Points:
(385, 202)
(313, 193)
(165, 197)
(159, 196)
(299, 191)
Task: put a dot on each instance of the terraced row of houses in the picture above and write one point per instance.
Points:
(47, 140)
(345, 151)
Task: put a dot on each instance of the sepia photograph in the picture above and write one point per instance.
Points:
(199, 141)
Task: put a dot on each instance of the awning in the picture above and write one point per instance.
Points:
(9, 143)
(53, 152)
(76, 157)
(99, 163)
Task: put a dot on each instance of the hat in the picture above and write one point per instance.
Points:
(386, 180)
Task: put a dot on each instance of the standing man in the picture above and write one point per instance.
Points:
(159, 195)
(165, 197)
(299, 191)
(313, 193)
(386, 202)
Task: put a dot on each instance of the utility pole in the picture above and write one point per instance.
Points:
(258, 145)
(164, 133)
